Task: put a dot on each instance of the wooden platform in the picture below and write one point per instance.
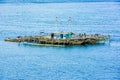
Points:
(76, 40)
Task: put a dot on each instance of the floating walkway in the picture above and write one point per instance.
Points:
(61, 38)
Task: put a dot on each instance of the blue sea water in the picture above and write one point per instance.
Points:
(91, 62)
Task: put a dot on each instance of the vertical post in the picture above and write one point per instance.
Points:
(56, 24)
(69, 20)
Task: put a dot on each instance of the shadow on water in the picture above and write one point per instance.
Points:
(62, 46)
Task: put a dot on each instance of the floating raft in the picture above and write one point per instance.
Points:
(61, 38)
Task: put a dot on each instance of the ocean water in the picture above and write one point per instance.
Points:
(90, 62)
